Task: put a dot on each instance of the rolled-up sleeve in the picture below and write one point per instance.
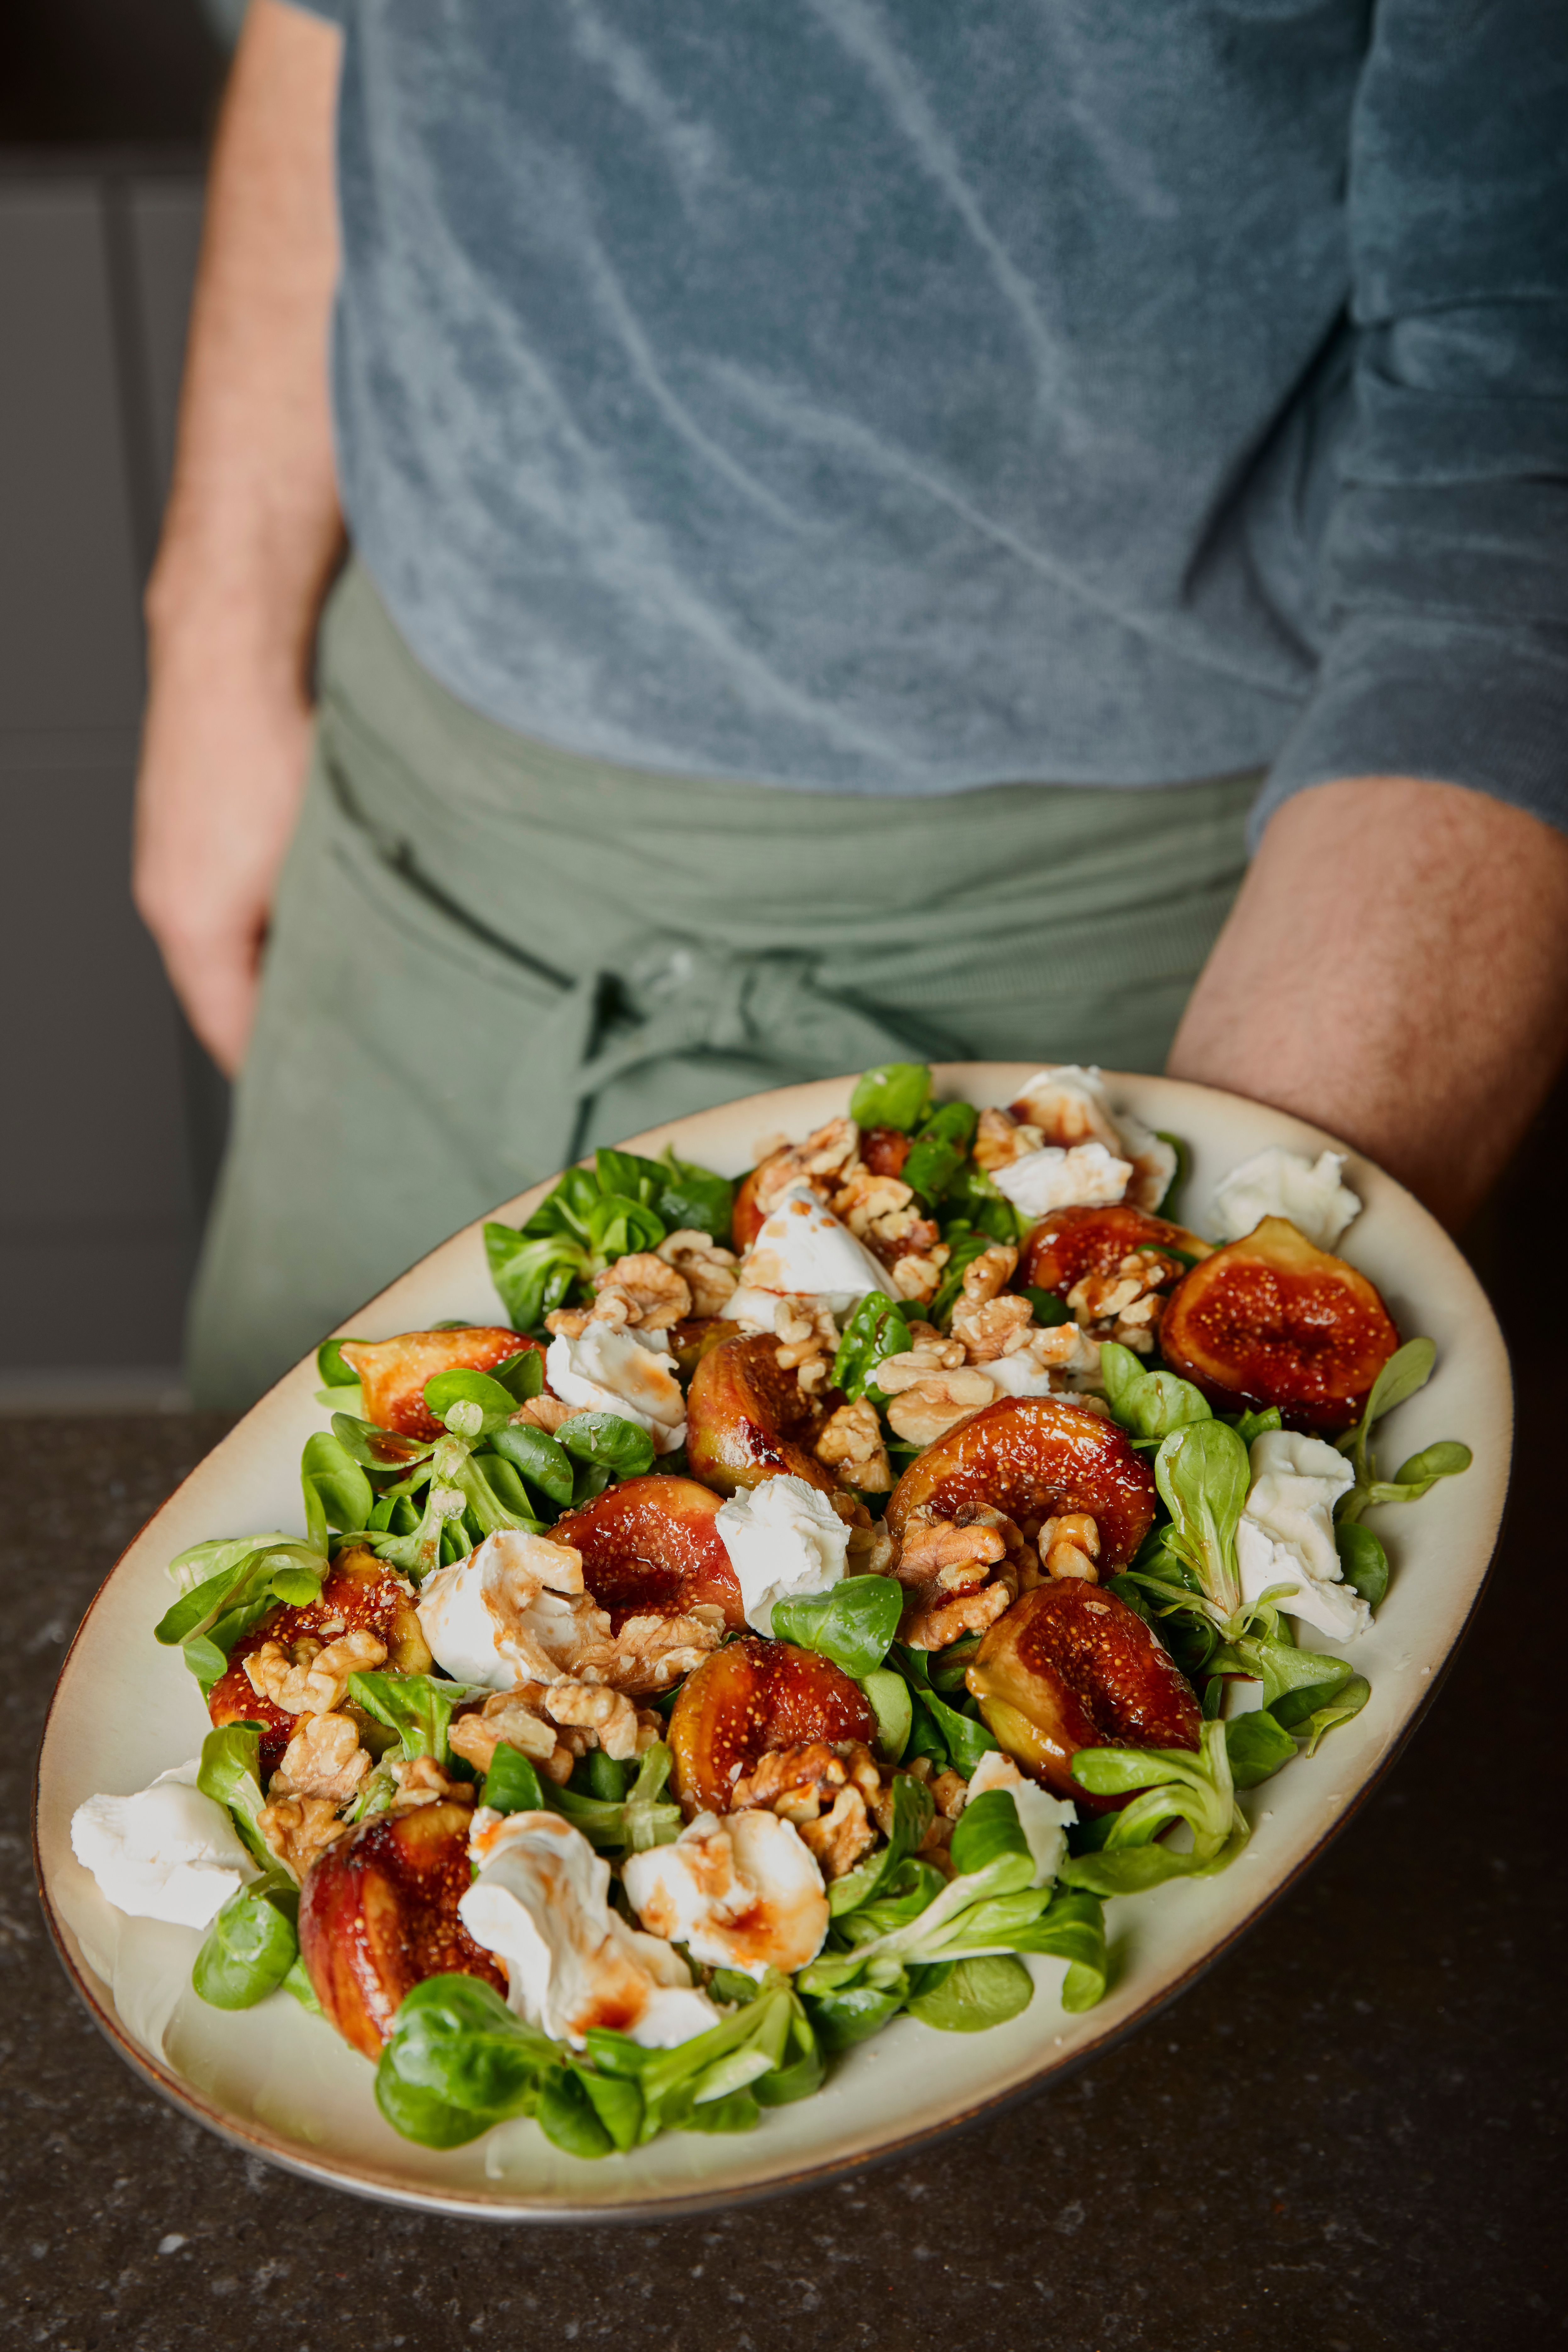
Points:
(1444, 580)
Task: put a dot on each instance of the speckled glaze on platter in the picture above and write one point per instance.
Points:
(282, 2085)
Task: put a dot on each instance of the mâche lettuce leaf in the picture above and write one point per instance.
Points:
(853, 1622)
(627, 1824)
(207, 1621)
(1408, 1370)
(877, 1327)
(625, 1203)
(1148, 1405)
(970, 1996)
(940, 1150)
(895, 1093)
(459, 2061)
(231, 1774)
(1203, 1472)
(337, 1494)
(1168, 1785)
(418, 1708)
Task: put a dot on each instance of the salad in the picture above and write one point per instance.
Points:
(817, 1596)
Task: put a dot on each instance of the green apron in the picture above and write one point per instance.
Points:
(487, 956)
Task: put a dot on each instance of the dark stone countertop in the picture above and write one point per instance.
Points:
(1346, 2136)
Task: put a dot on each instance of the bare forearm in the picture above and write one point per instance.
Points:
(1396, 969)
(252, 537)
(253, 527)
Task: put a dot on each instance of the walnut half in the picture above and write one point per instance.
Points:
(850, 1442)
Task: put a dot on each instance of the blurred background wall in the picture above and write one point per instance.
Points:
(111, 1117)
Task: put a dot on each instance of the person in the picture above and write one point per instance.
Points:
(855, 512)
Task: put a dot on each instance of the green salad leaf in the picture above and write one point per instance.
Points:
(1294, 1680)
(630, 1824)
(605, 1440)
(1204, 1475)
(533, 1272)
(853, 1622)
(1148, 1405)
(592, 1216)
(231, 1774)
(916, 1921)
(1072, 1928)
(337, 1492)
(1171, 1785)
(458, 2060)
(207, 1620)
(893, 1708)
(878, 1326)
(540, 1460)
(1257, 1745)
(1166, 1204)
(249, 1949)
(504, 1500)
(693, 1199)
(1408, 1370)
(253, 1944)
(940, 1150)
(895, 1093)
(974, 1200)
(332, 1367)
(418, 1708)
(380, 1450)
(471, 1404)
(1348, 1700)
(914, 1810)
(951, 1736)
(1364, 1563)
(970, 1996)
(854, 2012)
(204, 1561)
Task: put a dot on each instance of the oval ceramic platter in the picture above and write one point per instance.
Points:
(281, 2083)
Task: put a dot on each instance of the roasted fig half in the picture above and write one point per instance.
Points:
(746, 1219)
(1033, 1457)
(393, 1372)
(747, 1420)
(1071, 1666)
(1273, 1320)
(650, 1547)
(358, 1595)
(1071, 1243)
(748, 1699)
(884, 1150)
(378, 1914)
(696, 1337)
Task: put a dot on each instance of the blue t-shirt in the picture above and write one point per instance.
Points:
(901, 396)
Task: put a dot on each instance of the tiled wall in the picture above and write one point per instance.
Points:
(108, 1116)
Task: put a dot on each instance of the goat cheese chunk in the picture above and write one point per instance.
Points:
(802, 1250)
(627, 1372)
(1071, 1105)
(785, 1538)
(759, 1310)
(1045, 1819)
(1277, 1183)
(1085, 1176)
(512, 1611)
(1017, 1375)
(1286, 1532)
(168, 1852)
(742, 1892)
(541, 1902)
